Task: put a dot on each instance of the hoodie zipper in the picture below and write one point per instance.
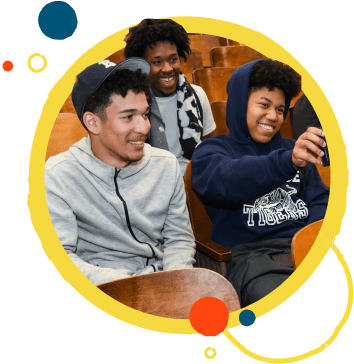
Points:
(128, 220)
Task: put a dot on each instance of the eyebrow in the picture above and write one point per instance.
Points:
(171, 55)
(133, 110)
(264, 98)
(127, 110)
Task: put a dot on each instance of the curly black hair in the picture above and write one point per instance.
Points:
(151, 31)
(271, 74)
(119, 83)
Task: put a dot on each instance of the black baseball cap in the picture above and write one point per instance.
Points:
(92, 77)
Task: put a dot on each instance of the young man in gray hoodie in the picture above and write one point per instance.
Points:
(117, 204)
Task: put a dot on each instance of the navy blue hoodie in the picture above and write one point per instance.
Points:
(251, 190)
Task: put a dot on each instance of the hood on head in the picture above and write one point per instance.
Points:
(236, 110)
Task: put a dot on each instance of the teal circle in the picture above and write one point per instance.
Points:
(57, 20)
(247, 317)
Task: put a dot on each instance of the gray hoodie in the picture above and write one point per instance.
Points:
(90, 221)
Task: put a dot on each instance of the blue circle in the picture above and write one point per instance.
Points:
(247, 317)
(57, 20)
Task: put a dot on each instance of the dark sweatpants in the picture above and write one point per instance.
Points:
(257, 268)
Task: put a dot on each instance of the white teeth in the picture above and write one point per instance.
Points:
(268, 127)
(137, 143)
(167, 79)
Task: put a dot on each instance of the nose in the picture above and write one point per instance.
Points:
(142, 125)
(166, 67)
(272, 114)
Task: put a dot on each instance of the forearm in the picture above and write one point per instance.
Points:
(220, 178)
(98, 275)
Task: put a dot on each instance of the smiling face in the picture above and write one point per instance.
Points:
(165, 68)
(265, 113)
(119, 139)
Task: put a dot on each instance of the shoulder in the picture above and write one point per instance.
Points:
(67, 156)
(163, 166)
(199, 91)
(219, 143)
(59, 160)
(162, 155)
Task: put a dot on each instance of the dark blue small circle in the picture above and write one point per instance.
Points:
(247, 317)
(57, 20)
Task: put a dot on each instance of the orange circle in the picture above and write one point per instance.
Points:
(7, 66)
(209, 316)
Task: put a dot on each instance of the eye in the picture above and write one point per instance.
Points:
(156, 62)
(128, 117)
(146, 115)
(280, 110)
(174, 60)
(264, 104)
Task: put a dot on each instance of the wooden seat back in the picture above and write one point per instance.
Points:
(209, 254)
(67, 130)
(205, 43)
(117, 57)
(201, 223)
(218, 109)
(213, 81)
(233, 56)
(194, 62)
(325, 173)
(172, 293)
(233, 42)
(68, 106)
(302, 242)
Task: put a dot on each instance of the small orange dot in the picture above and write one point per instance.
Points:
(7, 66)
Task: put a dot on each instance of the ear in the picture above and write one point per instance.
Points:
(92, 122)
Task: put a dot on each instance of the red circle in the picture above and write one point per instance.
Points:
(7, 66)
(209, 316)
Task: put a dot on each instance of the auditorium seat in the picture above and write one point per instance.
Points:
(218, 109)
(213, 81)
(234, 56)
(205, 43)
(233, 42)
(302, 242)
(325, 173)
(171, 293)
(209, 254)
(194, 62)
(67, 130)
(68, 106)
(117, 56)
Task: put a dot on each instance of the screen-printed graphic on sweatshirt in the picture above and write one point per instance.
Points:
(276, 207)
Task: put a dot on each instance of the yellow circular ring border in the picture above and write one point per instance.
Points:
(39, 211)
(35, 70)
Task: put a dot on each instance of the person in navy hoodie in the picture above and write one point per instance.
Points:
(259, 188)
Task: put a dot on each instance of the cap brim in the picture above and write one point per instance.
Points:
(133, 64)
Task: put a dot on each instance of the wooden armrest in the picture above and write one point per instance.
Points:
(212, 249)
